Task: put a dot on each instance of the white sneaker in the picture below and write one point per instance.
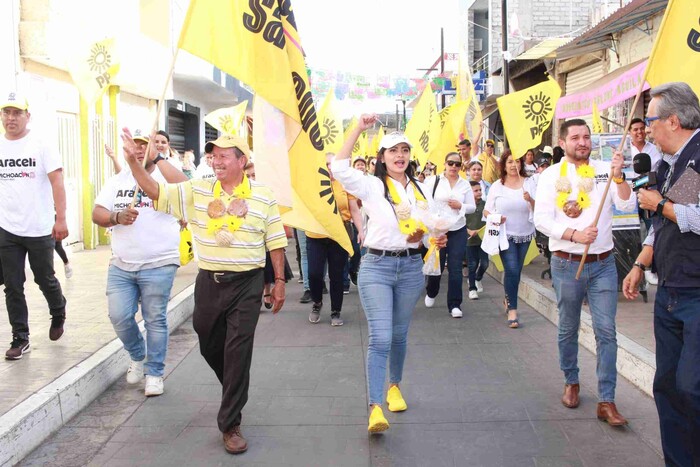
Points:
(154, 386)
(479, 287)
(429, 302)
(473, 295)
(69, 270)
(456, 312)
(135, 372)
(651, 278)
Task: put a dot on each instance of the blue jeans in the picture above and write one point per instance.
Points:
(513, 260)
(677, 379)
(301, 237)
(123, 291)
(389, 289)
(478, 264)
(598, 283)
(455, 250)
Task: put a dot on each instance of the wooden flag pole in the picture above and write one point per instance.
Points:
(607, 185)
(154, 127)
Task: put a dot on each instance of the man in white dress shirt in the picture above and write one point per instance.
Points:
(568, 196)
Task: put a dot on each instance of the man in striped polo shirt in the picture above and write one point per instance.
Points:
(233, 220)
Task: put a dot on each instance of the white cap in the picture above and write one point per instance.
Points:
(392, 139)
(548, 150)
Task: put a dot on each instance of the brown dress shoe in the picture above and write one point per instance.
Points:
(570, 398)
(607, 412)
(234, 442)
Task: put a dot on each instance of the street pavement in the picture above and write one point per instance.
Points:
(87, 327)
(479, 394)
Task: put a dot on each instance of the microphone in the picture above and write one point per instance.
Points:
(641, 164)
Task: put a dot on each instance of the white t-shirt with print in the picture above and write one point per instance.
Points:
(153, 237)
(26, 198)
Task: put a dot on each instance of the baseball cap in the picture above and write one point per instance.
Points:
(490, 141)
(229, 141)
(548, 150)
(544, 160)
(16, 100)
(392, 139)
(139, 135)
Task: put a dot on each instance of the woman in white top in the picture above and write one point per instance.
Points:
(530, 165)
(452, 192)
(391, 277)
(512, 197)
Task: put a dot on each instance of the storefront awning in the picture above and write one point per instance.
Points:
(616, 87)
(544, 49)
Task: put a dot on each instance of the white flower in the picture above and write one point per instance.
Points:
(403, 211)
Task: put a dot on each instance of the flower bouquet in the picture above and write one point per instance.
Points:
(438, 222)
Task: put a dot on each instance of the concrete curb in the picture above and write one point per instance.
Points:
(36, 418)
(636, 363)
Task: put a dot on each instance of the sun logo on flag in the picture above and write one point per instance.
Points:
(330, 132)
(326, 189)
(538, 107)
(100, 60)
(226, 123)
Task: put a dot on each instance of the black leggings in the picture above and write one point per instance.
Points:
(61, 252)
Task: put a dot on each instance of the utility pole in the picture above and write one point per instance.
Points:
(442, 63)
(504, 43)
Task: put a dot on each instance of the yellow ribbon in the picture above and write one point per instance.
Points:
(433, 250)
(410, 225)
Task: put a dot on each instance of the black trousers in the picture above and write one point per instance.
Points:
(13, 254)
(61, 252)
(319, 251)
(225, 317)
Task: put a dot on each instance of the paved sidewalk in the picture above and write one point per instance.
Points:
(479, 394)
(87, 327)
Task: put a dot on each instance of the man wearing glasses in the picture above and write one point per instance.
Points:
(489, 162)
(673, 243)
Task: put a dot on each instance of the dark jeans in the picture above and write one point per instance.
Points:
(677, 379)
(13, 253)
(319, 251)
(61, 252)
(478, 261)
(455, 250)
(225, 317)
(353, 264)
(513, 260)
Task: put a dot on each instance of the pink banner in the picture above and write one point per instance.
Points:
(608, 94)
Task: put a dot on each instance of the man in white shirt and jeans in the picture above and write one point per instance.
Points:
(568, 196)
(32, 219)
(145, 245)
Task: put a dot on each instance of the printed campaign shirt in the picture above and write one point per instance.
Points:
(154, 237)
(26, 197)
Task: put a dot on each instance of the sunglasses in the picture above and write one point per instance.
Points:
(489, 145)
(648, 120)
(453, 163)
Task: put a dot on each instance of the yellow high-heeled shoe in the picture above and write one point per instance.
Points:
(395, 401)
(377, 422)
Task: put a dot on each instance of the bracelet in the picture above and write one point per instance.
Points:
(280, 279)
(117, 217)
(618, 180)
(571, 238)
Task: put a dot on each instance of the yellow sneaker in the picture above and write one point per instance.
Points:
(377, 422)
(394, 400)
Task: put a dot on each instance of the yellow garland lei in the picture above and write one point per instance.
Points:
(583, 199)
(410, 225)
(231, 223)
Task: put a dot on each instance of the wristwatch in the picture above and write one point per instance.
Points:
(660, 207)
(640, 266)
(158, 159)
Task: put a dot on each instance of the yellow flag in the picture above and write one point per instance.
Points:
(228, 119)
(374, 144)
(597, 122)
(94, 68)
(360, 147)
(527, 114)
(423, 129)
(258, 43)
(331, 123)
(452, 120)
(675, 55)
(474, 117)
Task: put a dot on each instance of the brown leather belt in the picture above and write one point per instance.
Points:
(577, 258)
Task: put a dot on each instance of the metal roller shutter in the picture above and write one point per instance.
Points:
(176, 130)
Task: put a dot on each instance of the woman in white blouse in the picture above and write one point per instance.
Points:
(475, 172)
(451, 192)
(391, 277)
(512, 196)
